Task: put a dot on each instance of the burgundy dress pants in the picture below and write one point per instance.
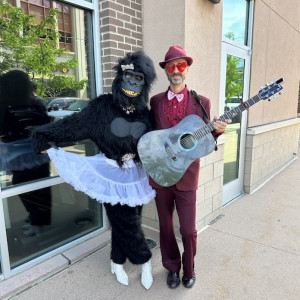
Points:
(185, 202)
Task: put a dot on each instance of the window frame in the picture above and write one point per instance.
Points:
(230, 47)
(93, 8)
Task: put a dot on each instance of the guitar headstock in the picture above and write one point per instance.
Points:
(271, 90)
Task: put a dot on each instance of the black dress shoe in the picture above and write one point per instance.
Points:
(173, 280)
(188, 282)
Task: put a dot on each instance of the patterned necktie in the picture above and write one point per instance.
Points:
(171, 95)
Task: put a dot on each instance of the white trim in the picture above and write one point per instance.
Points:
(250, 24)
(97, 51)
(235, 44)
(82, 3)
(56, 251)
(202, 229)
(27, 187)
(273, 126)
(4, 255)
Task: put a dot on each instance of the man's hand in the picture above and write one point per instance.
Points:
(44, 152)
(219, 125)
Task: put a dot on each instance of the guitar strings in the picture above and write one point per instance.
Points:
(208, 128)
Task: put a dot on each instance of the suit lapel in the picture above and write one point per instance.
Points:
(162, 118)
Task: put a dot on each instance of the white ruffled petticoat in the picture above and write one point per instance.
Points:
(102, 179)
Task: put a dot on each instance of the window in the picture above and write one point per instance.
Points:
(39, 8)
(40, 211)
(82, 76)
(235, 20)
(64, 26)
(42, 220)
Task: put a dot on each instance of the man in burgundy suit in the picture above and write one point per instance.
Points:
(168, 109)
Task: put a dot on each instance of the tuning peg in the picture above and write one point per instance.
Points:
(279, 93)
(266, 84)
(274, 96)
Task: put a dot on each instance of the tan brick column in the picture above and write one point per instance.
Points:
(121, 32)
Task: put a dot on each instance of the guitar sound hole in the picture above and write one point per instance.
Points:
(187, 141)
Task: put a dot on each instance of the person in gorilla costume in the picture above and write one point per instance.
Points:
(115, 176)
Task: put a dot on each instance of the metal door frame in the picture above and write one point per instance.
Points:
(235, 188)
(5, 193)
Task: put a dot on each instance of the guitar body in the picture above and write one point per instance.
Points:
(166, 154)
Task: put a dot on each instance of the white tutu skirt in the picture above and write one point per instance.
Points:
(102, 179)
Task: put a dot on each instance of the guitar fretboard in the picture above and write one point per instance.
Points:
(209, 127)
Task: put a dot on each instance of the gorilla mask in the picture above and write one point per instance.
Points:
(132, 83)
(135, 74)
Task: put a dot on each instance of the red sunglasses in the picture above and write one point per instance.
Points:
(181, 66)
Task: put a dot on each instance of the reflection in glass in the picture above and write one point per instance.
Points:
(69, 216)
(233, 92)
(20, 111)
(16, 153)
(235, 20)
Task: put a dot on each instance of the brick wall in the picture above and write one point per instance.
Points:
(268, 149)
(121, 32)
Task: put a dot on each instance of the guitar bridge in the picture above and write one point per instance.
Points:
(170, 152)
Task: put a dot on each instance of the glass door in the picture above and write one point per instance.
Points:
(234, 89)
(235, 69)
(235, 77)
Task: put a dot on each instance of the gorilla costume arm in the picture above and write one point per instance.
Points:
(69, 129)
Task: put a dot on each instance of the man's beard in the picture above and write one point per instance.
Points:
(178, 81)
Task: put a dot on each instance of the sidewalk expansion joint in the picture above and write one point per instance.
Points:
(216, 219)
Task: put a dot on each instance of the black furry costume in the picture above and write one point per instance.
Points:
(115, 122)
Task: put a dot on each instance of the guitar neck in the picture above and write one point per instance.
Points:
(209, 127)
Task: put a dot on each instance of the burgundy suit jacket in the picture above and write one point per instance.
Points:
(189, 181)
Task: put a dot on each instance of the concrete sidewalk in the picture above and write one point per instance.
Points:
(251, 252)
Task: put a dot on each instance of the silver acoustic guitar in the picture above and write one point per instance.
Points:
(167, 153)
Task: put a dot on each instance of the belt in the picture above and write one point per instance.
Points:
(127, 157)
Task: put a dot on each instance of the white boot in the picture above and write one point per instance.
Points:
(146, 278)
(120, 273)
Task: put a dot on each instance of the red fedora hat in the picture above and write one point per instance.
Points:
(176, 52)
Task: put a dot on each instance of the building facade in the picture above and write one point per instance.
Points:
(256, 40)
